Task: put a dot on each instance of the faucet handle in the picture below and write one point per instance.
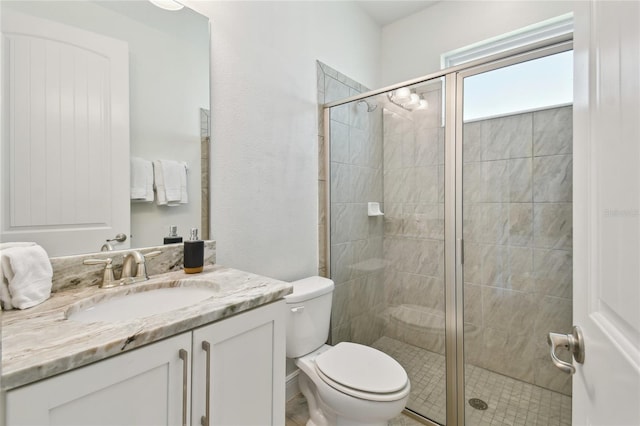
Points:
(108, 279)
(142, 266)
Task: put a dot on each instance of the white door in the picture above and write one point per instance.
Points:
(65, 140)
(606, 388)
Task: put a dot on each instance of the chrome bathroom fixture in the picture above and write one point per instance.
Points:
(574, 343)
(133, 269)
(171, 5)
(407, 99)
(370, 107)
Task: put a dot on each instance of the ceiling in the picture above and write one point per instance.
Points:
(385, 12)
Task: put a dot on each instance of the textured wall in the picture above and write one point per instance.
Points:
(411, 47)
(264, 154)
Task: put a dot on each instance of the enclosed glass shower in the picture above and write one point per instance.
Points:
(449, 236)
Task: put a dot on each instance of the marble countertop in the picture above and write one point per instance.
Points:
(40, 342)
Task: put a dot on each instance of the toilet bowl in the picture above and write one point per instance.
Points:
(345, 385)
(352, 396)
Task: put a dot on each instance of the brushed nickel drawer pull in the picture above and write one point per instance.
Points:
(204, 420)
(185, 377)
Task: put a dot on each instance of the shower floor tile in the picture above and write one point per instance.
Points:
(510, 401)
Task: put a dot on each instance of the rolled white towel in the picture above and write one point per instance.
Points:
(26, 275)
(5, 295)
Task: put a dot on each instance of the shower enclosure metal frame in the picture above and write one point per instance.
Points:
(453, 190)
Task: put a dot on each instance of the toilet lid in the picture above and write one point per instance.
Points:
(362, 368)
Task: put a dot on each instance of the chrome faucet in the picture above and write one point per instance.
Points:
(134, 269)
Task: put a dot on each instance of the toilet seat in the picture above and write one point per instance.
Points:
(362, 372)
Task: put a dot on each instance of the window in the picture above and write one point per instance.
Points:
(541, 83)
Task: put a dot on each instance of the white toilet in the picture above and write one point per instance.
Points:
(347, 384)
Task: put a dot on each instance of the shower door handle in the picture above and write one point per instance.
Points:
(573, 342)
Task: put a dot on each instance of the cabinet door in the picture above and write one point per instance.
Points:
(141, 387)
(246, 369)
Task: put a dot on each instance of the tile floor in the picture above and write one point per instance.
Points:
(510, 401)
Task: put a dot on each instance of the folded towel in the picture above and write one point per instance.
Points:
(26, 275)
(141, 180)
(170, 181)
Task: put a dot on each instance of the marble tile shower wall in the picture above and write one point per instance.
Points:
(517, 179)
(356, 239)
(205, 150)
(517, 229)
(414, 223)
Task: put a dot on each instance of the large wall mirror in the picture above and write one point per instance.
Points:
(141, 80)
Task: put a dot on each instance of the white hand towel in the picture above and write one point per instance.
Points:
(170, 181)
(184, 197)
(158, 183)
(141, 180)
(26, 275)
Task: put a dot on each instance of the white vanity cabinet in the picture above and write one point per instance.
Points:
(141, 387)
(242, 374)
(239, 369)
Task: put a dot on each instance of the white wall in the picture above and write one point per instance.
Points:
(411, 47)
(264, 123)
(264, 117)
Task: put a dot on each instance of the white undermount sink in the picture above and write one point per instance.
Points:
(141, 304)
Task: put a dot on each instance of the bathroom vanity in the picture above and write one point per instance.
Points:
(219, 361)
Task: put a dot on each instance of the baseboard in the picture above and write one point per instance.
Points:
(292, 388)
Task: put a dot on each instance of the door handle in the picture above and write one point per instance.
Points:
(573, 342)
(119, 238)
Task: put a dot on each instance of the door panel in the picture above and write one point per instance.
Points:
(517, 231)
(70, 127)
(607, 218)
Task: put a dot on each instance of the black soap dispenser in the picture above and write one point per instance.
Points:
(193, 253)
(173, 236)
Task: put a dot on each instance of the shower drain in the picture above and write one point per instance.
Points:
(478, 404)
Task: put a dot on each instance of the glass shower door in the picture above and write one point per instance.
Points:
(517, 213)
(387, 258)
(471, 334)
(413, 160)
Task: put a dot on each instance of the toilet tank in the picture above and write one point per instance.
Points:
(308, 315)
